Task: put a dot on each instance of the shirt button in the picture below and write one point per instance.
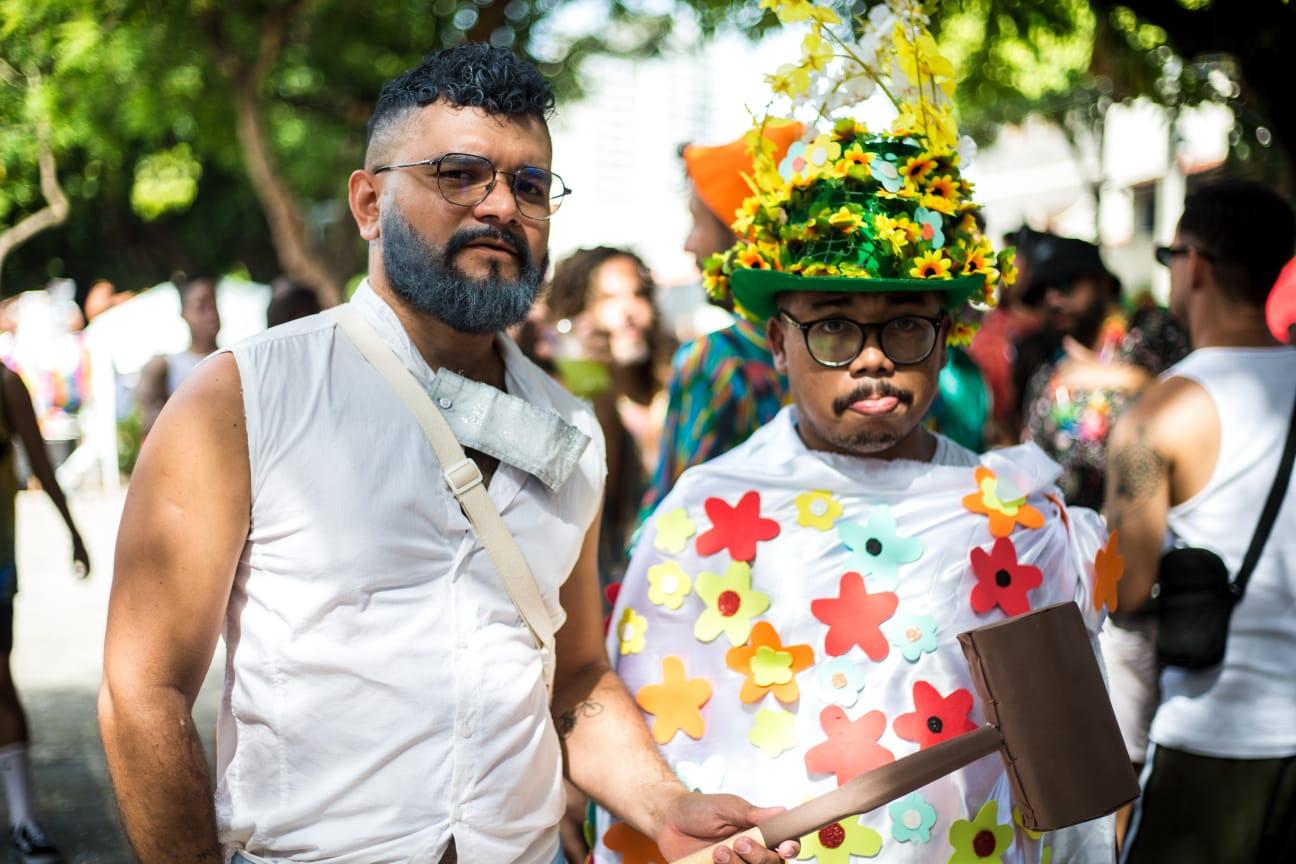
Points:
(445, 402)
(455, 813)
(466, 729)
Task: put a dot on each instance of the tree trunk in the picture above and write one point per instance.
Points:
(287, 228)
(55, 211)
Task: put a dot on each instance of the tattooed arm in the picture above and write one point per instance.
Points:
(1161, 452)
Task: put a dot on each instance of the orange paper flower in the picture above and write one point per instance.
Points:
(676, 703)
(1109, 567)
(769, 666)
(635, 848)
(1005, 506)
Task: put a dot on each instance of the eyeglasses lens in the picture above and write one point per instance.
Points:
(837, 342)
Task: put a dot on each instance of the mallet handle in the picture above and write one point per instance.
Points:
(870, 790)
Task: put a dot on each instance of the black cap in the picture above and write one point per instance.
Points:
(1057, 261)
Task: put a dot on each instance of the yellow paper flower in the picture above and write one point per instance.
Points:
(632, 630)
(817, 510)
(821, 151)
(982, 840)
(840, 843)
(674, 528)
(668, 585)
(730, 602)
(773, 731)
(931, 265)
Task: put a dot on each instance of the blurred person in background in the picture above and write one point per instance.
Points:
(102, 296)
(723, 386)
(290, 300)
(611, 350)
(1101, 360)
(162, 375)
(18, 424)
(994, 348)
(1191, 465)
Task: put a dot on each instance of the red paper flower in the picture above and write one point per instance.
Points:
(937, 718)
(736, 528)
(852, 746)
(1001, 581)
(610, 593)
(855, 617)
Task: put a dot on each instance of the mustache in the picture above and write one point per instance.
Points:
(872, 390)
(461, 238)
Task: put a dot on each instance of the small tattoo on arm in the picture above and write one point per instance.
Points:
(566, 721)
(1139, 469)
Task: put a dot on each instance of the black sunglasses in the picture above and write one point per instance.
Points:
(1166, 254)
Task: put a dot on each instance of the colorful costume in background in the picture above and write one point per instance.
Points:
(789, 620)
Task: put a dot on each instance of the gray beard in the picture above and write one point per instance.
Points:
(423, 276)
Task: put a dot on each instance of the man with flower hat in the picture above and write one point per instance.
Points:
(789, 618)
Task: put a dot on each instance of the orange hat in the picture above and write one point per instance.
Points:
(717, 172)
(1281, 308)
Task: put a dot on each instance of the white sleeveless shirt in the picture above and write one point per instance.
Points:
(381, 692)
(1246, 707)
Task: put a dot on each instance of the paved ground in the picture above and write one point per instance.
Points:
(58, 633)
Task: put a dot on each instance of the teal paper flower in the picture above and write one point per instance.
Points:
(878, 549)
(887, 174)
(840, 681)
(912, 819)
(930, 222)
(914, 635)
(794, 162)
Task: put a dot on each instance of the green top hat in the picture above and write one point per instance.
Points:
(855, 211)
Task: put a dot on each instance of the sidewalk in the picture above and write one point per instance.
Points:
(57, 663)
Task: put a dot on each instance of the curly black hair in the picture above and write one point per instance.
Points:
(1247, 229)
(472, 75)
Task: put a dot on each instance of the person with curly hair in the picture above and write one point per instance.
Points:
(385, 699)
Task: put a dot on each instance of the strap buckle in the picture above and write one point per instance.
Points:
(462, 477)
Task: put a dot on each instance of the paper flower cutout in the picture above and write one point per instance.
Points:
(878, 549)
(912, 819)
(854, 617)
(773, 731)
(887, 174)
(840, 681)
(852, 746)
(769, 666)
(676, 703)
(1109, 567)
(836, 843)
(705, 777)
(631, 630)
(937, 718)
(794, 162)
(1001, 580)
(674, 528)
(914, 635)
(1046, 855)
(738, 528)
(931, 226)
(668, 584)
(982, 840)
(1017, 820)
(635, 848)
(1003, 503)
(730, 603)
(817, 510)
(610, 593)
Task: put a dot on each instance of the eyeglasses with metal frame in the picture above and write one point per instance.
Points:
(465, 179)
(836, 342)
(1166, 254)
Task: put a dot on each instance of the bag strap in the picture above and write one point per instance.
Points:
(464, 479)
(1273, 504)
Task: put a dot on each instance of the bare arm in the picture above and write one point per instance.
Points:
(22, 418)
(1161, 452)
(183, 528)
(600, 726)
(151, 392)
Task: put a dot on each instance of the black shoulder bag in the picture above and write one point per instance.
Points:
(1194, 597)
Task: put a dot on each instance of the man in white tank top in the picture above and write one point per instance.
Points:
(384, 702)
(1191, 465)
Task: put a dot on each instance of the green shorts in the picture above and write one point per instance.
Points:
(1213, 811)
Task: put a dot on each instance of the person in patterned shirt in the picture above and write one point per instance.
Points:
(789, 618)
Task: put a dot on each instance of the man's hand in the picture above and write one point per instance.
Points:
(695, 821)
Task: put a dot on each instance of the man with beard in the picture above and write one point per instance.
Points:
(1101, 359)
(789, 618)
(384, 701)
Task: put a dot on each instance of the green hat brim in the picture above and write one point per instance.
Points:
(756, 290)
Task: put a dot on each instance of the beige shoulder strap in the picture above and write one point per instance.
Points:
(464, 479)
